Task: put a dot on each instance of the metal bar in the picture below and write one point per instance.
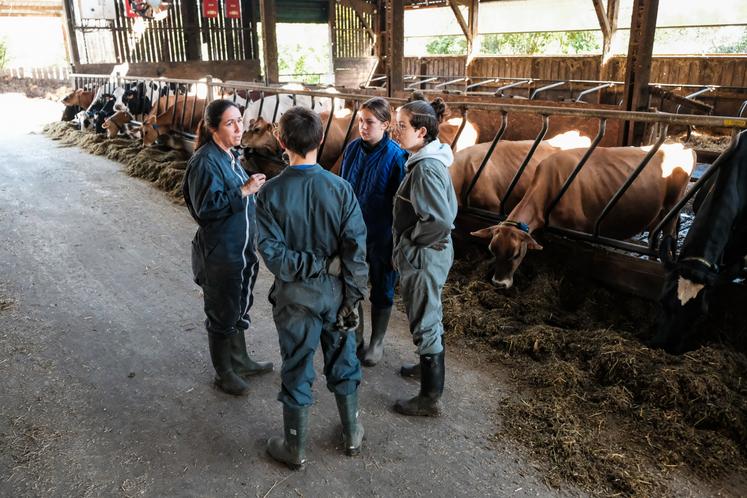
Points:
(411, 86)
(184, 111)
(653, 237)
(523, 166)
(693, 95)
(480, 83)
(496, 139)
(326, 129)
(441, 85)
(350, 125)
(461, 128)
(277, 105)
(261, 103)
(625, 186)
(546, 87)
(618, 244)
(741, 109)
(576, 170)
(499, 91)
(593, 90)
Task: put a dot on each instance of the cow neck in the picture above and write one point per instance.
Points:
(528, 213)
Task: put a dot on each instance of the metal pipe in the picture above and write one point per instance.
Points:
(523, 166)
(350, 126)
(546, 87)
(461, 128)
(706, 89)
(447, 83)
(625, 186)
(412, 85)
(480, 83)
(593, 90)
(261, 104)
(499, 91)
(326, 129)
(653, 237)
(277, 106)
(576, 170)
(496, 139)
(741, 109)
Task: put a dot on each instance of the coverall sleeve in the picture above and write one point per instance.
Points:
(286, 264)
(353, 251)
(207, 191)
(396, 175)
(430, 201)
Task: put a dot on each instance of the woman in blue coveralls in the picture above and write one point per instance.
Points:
(425, 207)
(220, 197)
(375, 165)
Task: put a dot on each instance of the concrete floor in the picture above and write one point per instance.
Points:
(106, 380)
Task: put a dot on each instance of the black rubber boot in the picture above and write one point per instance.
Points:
(243, 365)
(360, 345)
(220, 354)
(352, 429)
(291, 449)
(410, 370)
(379, 323)
(428, 402)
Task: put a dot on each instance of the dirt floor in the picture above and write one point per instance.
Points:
(107, 382)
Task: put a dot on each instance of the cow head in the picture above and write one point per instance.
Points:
(509, 243)
(260, 135)
(116, 123)
(85, 120)
(150, 130)
(78, 97)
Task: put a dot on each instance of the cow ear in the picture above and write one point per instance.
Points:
(532, 244)
(150, 120)
(252, 121)
(485, 233)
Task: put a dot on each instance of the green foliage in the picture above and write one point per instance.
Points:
(447, 45)
(738, 47)
(3, 54)
(567, 42)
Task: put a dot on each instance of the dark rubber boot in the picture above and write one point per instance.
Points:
(352, 429)
(410, 370)
(243, 365)
(220, 354)
(428, 402)
(379, 323)
(291, 449)
(360, 346)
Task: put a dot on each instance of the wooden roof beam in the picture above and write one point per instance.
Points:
(604, 22)
(359, 8)
(460, 18)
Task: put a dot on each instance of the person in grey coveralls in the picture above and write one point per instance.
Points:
(312, 237)
(424, 211)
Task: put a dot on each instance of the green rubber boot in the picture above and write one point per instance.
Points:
(243, 365)
(352, 429)
(291, 449)
(225, 378)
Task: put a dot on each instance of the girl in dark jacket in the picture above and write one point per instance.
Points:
(220, 197)
(375, 165)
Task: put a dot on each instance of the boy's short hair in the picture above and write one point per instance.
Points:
(301, 130)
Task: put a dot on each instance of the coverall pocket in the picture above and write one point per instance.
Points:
(409, 257)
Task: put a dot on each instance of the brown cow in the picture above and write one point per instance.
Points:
(79, 97)
(265, 154)
(117, 123)
(503, 164)
(649, 198)
(181, 112)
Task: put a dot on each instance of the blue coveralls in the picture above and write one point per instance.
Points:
(424, 212)
(375, 174)
(224, 260)
(306, 216)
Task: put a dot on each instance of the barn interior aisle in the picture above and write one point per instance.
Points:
(107, 384)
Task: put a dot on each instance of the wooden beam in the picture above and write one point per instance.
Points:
(69, 27)
(473, 38)
(395, 12)
(638, 67)
(191, 31)
(613, 11)
(267, 15)
(356, 5)
(460, 18)
(613, 8)
(604, 22)
(363, 6)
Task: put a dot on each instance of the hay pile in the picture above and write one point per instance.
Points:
(36, 88)
(594, 405)
(164, 168)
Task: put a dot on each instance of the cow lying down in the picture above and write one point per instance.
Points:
(658, 188)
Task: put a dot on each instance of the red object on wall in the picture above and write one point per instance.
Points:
(233, 9)
(209, 8)
(128, 9)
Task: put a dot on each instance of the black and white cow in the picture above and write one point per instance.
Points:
(713, 253)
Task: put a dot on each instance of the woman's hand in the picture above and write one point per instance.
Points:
(252, 184)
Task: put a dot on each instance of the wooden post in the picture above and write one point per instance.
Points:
(191, 31)
(473, 38)
(395, 45)
(251, 47)
(333, 37)
(638, 66)
(267, 15)
(70, 36)
(608, 25)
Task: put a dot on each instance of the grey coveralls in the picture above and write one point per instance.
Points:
(425, 208)
(306, 216)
